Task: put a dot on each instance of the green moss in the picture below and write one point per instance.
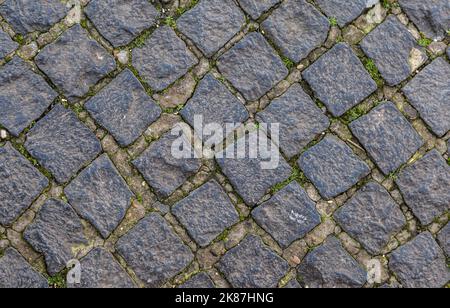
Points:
(424, 41)
(181, 10)
(58, 281)
(333, 21)
(288, 62)
(353, 114)
(171, 22)
(296, 175)
(370, 66)
(19, 39)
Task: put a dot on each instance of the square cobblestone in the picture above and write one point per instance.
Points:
(444, 239)
(387, 136)
(75, 62)
(332, 167)
(297, 28)
(252, 264)
(289, 215)
(20, 184)
(206, 213)
(199, 281)
(153, 251)
(340, 80)
(256, 8)
(62, 144)
(7, 45)
(344, 11)
(163, 59)
(211, 24)
(425, 187)
(120, 22)
(24, 96)
(252, 66)
(124, 108)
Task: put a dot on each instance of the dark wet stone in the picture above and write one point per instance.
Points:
(429, 93)
(371, 217)
(211, 24)
(340, 80)
(153, 251)
(262, 70)
(330, 266)
(206, 213)
(75, 62)
(16, 273)
(444, 239)
(121, 22)
(289, 215)
(24, 96)
(256, 8)
(344, 11)
(124, 108)
(62, 144)
(163, 59)
(420, 263)
(56, 232)
(425, 187)
(199, 281)
(332, 167)
(297, 28)
(20, 184)
(7, 45)
(253, 265)
(100, 195)
(387, 136)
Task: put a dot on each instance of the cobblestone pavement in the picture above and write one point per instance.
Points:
(90, 90)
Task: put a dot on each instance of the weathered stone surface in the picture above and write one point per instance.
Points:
(300, 120)
(206, 213)
(32, 15)
(339, 79)
(256, 8)
(253, 265)
(15, 273)
(124, 108)
(432, 17)
(297, 28)
(120, 22)
(252, 66)
(288, 216)
(420, 263)
(211, 24)
(293, 284)
(424, 186)
(62, 144)
(56, 233)
(100, 195)
(394, 50)
(20, 184)
(371, 217)
(7, 45)
(164, 172)
(99, 269)
(24, 96)
(429, 93)
(444, 239)
(199, 281)
(75, 62)
(163, 59)
(387, 136)
(344, 11)
(330, 266)
(153, 251)
(332, 167)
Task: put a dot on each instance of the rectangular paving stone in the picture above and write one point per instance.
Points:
(20, 184)
(56, 232)
(252, 264)
(75, 62)
(394, 50)
(252, 66)
(256, 8)
(199, 281)
(288, 216)
(387, 136)
(429, 93)
(124, 108)
(120, 22)
(7, 45)
(420, 263)
(339, 79)
(163, 59)
(425, 187)
(332, 167)
(301, 121)
(297, 28)
(211, 24)
(444, 239)
(371, 217)
(344, 11)
(100, 195)
(153, 251)
(62, 144)
(206, 213)
(24, 96)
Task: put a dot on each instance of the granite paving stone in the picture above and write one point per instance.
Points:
(345, 11)
(199, 281)
(256, 8)
(7, 45)
(444, 239)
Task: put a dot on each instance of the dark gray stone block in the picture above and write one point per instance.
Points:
(444, 239)
(256, 8)
(344, 11)
(199, 281)
(293, 284)
(7, 45)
